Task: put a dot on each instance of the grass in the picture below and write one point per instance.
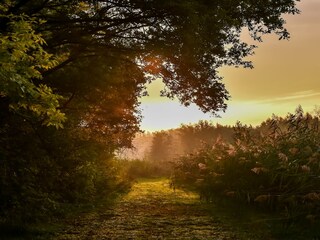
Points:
(159, 189)
(50, 228)
(153, 210)
(253, 223)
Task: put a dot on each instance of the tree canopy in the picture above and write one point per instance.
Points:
(184, 42)
(22, 59)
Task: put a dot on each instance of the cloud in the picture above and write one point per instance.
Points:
(160, 115)
(294, 96)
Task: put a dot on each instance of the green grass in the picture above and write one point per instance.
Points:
(153, 210)
(51, 227)
(159, 189)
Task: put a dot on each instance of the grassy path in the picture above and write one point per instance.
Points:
(151, 211)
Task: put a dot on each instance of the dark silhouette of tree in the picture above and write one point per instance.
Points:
(184, 42)
(161, 147)
(196, 136)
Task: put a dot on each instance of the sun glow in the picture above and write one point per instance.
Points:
(285, 75)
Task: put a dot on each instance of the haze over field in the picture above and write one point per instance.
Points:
(285, 74)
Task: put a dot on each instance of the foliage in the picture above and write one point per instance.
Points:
(184, 42)
(22, 59)
(196, 136)
(160, 149)
(276, 169)
(45, 169)
(45, 178)
(84, 64)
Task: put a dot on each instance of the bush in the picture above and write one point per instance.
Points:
(276, 166)
(40, 176)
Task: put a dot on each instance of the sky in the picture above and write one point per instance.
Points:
(286, 74)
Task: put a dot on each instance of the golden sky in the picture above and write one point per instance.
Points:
(285, 74)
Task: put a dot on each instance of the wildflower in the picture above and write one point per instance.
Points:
(308, 150)
(283, 157)
(313, 196)
(202, 166)
(231, 151)
(259, 164)
(258, 170)
(238, 142)
(217, 174)
(305, 168)
(293, 151)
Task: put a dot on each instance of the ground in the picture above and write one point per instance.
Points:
(151, 210)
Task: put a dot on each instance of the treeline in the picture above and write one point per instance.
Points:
(156, 152)
(275, 166)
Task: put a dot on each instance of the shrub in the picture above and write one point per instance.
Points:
(276, 166)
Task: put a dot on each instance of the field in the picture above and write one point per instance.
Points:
(153, 210)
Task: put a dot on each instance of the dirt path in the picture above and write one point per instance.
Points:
(151, 211)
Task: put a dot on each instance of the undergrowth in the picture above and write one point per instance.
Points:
(275, 169)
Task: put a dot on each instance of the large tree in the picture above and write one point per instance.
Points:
(184, 42)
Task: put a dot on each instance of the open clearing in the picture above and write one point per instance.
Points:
(151, 210)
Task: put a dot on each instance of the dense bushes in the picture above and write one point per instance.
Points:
(44, 170)
(276, 166)
(60, 123)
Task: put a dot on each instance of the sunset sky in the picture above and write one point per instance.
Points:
(285, 74)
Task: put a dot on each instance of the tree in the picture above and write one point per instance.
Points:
(106, 47)
(184, 42)
(196, 136)
(22, 59)
(161, 147)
